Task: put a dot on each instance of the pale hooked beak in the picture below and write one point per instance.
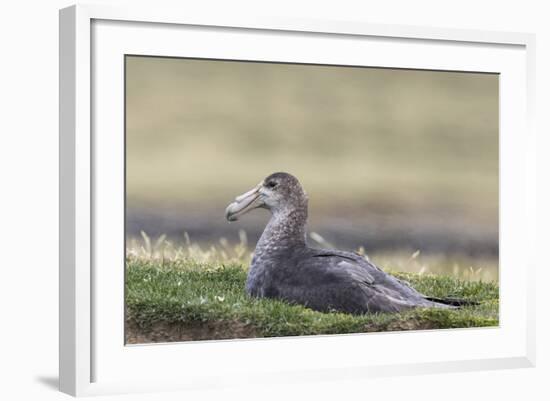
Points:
(244, 203)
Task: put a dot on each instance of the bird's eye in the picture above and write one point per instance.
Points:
(271, 184)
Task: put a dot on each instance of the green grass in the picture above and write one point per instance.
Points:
(179, 300)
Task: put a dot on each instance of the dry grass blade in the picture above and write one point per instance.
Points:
(159, 242)
(147, 242)
(320, 240)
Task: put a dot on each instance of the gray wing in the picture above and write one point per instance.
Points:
(355, 261)
(348, 282)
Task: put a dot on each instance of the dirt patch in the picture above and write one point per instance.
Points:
(411, 324)
(224, 330)
(176, 332)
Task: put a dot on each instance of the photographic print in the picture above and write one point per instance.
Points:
(280, 199)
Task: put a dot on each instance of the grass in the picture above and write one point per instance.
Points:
(180, 299)
(462, 266)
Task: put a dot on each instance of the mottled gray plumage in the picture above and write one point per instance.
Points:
(285, 267)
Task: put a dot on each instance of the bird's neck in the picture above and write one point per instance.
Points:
(285, 231)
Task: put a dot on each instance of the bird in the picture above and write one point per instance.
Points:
(285, 267)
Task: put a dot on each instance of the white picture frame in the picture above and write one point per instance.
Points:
(93, 357)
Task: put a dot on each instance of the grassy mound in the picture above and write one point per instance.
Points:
(184, 300)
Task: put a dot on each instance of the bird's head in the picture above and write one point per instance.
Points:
(279, 193)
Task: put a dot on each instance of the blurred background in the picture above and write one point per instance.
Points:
(400, 163)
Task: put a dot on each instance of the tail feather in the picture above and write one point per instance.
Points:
(453, 301)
